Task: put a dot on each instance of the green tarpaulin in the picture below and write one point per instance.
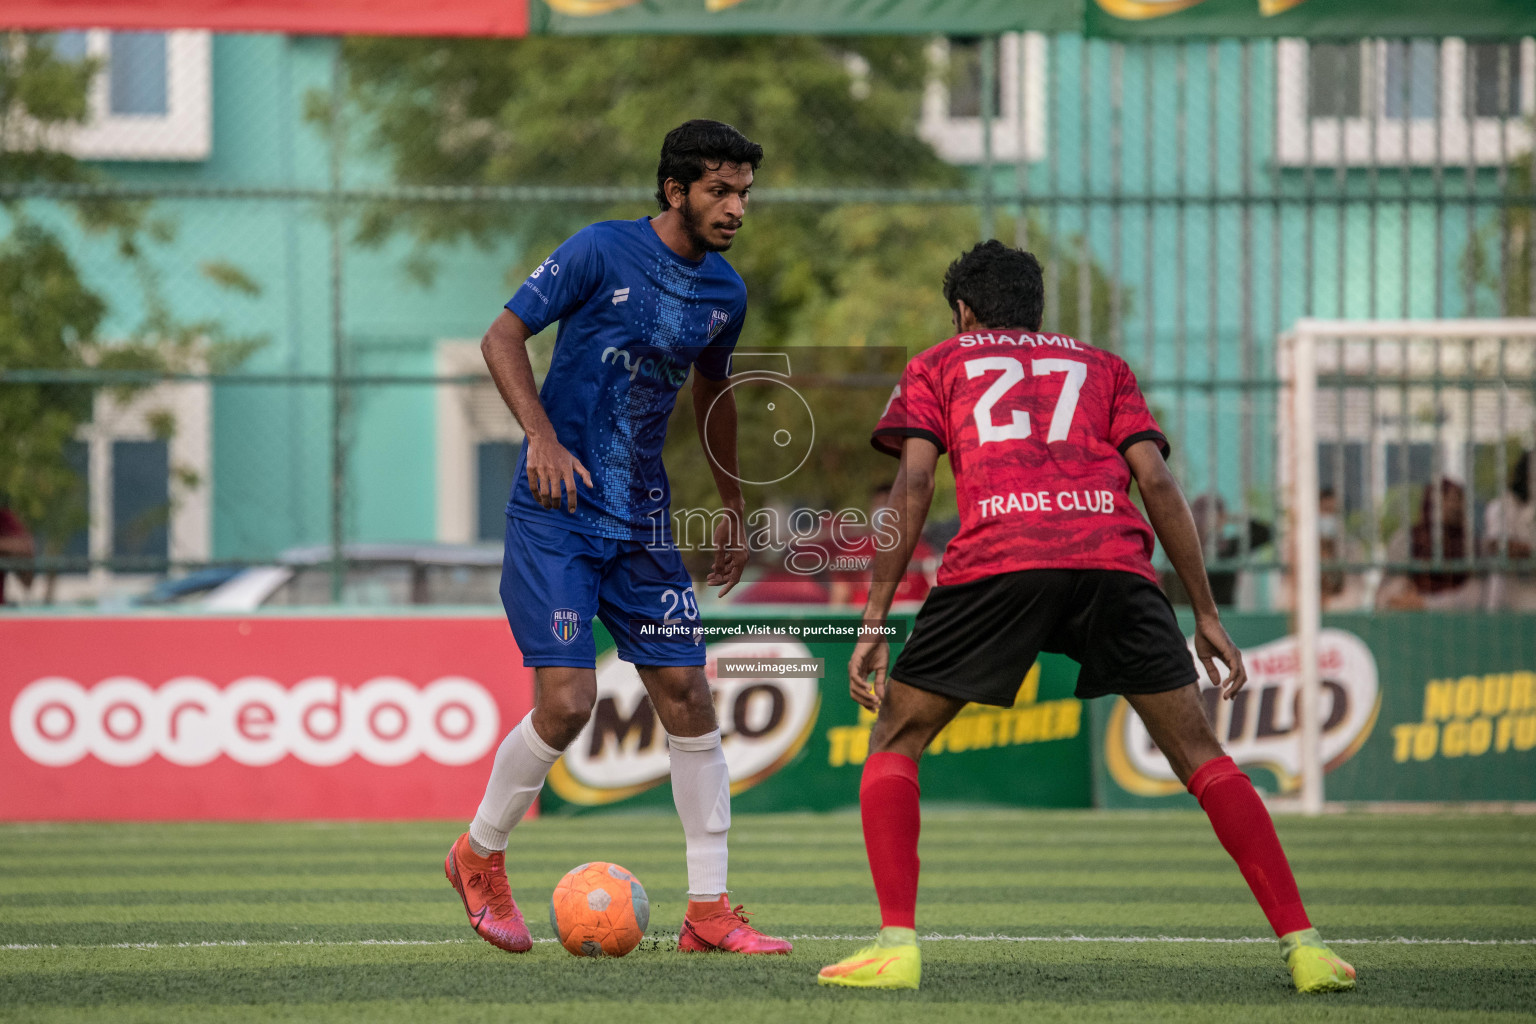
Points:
(808, 17)
(1148, 19)
(1121, 19)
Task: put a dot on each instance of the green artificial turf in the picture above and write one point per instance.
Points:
(353, 922)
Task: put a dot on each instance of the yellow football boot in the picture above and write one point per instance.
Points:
(894, 961)
(1315, 967)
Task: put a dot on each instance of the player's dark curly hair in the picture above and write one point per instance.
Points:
(1004, 287)
(696, 146)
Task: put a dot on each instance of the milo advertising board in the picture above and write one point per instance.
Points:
(1415, 706)
(795, 740)
(765, 723)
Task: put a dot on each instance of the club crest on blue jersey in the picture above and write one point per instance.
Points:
(718, 318)
(565, 624)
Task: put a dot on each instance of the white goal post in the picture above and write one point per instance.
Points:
(1445, 385)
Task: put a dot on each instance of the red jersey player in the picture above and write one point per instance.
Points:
(1045, 434)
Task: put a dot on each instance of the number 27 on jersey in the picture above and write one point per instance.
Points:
(1011, 371)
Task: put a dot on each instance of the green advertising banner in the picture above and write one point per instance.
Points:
(802, 17)
(799, 742)
(1416, 706)
(1317, 19)
(1117, 19)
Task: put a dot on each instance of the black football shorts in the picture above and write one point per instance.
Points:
(977, 640)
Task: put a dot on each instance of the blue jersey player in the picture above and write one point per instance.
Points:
(640, 304)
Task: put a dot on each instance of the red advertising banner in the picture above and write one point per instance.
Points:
(299, 17)
(160, 719)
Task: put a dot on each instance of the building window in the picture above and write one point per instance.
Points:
(1410, 86)
(1417, 458)
(1334, 80)
(1496, 71)
(496, 462)
(1393, 102)
(478, 443)
(137, 73)
(77, 514)
(147, 495)
(1347, 80)
(141, 501)
(152, 99)
(951, 119)
(965, 76)
(1341, 469)
(71, 46)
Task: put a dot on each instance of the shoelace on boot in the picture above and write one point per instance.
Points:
(498, 892)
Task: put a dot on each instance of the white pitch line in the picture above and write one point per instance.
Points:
(19, 946)
(1396, 940)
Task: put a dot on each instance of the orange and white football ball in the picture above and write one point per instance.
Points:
(599, 909)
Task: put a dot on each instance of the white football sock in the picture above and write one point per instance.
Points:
(701, 788)
(517, 775)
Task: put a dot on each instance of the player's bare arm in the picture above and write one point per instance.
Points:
(550, 464)
(911, 495)
(1174, 524)
(714, 410)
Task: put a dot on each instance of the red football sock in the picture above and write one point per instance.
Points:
(888, 801)
(1243, 825)
(698, 910)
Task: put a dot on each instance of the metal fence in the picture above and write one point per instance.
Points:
(1422, 438)
(348, 218)
(1365, 402)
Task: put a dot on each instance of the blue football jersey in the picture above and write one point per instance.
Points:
(634, 317)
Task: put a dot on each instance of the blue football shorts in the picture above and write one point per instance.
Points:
(554, 581)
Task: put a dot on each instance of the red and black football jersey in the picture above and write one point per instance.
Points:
(1036, 427)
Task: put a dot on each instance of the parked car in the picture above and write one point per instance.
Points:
(375, 576)
(193, 588)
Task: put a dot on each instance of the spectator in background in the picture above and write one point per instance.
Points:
(1439, 590)
(1218, 543)
(15, 542)
(1343, 590)
(850, 586)
(778, 582)
(1509, 527)
(939, 532)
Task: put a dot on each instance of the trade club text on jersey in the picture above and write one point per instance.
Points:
(1100, 502)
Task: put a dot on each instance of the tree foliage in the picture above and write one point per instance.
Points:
(50, 317)
(1499, 267)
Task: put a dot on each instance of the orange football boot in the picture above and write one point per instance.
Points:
(481, 883)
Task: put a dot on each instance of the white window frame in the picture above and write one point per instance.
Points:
(184, 132)
(467, 415)
(1020, 119)
(1451, 140)
(190, 447)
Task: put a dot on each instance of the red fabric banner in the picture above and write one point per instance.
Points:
(151, 719)
(297, 17)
